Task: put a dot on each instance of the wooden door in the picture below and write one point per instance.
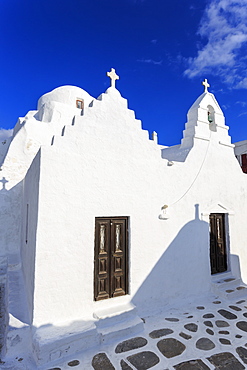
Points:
(218, 255)
(111, 257)
(244, 162)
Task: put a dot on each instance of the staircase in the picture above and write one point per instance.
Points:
(228, 286)
(118, 322)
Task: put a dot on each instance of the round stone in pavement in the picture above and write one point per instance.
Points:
(227, 314)
(54, 368)
(245, 314)
(205, 344)
(74, 363)
(130, 344)
(242, 325)
(221, 323)
(208, 316)
(191, 327)
(242, 352)
(235, 308)
(171, 347)
(208, 323)
(185, 336)
(224, 341)
(125, 366)
(217, 302)
(160, 333)
(228, 280)
(172, 319)
(144, 360)
(225, 361)
(225, 332)
(209, 331)
(191, 365)
(200, 308)
(102, 362)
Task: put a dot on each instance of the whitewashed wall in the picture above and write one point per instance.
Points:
(28, 241)
(29, 134)
(98, 162)
(105, 165)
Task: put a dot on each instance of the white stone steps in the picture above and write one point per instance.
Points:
(236, 292)
(118, 322)
(51, 343)
(230, 281)
(229, 287)
(132, 326)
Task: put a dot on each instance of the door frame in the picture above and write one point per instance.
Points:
(111, 256)
(218, 207)
(221, 230)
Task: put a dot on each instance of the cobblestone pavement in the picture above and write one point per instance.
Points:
(206, 336)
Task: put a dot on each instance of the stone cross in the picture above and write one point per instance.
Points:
(113, 76)
(3, 181)
(206, 85)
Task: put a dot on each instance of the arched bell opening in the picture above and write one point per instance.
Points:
(211, 118)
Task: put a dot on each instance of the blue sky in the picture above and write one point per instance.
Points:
(161, 49)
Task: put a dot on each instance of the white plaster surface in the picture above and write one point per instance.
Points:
(67, 167)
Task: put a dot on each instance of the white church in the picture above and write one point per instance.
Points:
(101, 226)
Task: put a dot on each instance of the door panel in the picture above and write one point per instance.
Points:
(119, 250)
(102, 255)
(111, 236)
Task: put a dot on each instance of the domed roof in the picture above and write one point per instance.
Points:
(66, 95)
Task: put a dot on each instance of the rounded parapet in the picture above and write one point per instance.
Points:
(69, 95)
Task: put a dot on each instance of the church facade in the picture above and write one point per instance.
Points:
(101, 226)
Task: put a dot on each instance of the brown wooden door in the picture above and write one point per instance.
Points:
(218, 256)
(244, 162)
(111, 257)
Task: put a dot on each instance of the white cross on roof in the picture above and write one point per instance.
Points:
(206, 85)
(113, 76)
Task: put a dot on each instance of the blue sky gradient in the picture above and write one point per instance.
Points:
(162, 50)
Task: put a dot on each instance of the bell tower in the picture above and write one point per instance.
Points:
(205, 121)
